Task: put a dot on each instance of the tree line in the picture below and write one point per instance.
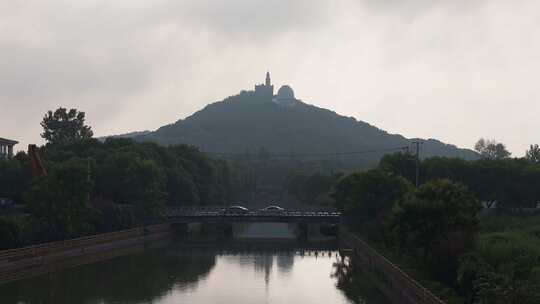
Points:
(97, 186)
(438, 225)
(506, 182)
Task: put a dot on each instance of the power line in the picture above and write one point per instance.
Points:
(417, 143)
(329, 154)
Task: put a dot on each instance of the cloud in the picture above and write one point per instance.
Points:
(258, 20)
(454, 70)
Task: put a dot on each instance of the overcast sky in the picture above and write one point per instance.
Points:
(453, 70)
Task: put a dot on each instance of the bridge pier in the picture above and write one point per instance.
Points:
(227, 230)
(180, 230)
(303, 231)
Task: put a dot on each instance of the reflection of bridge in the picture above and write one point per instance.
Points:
(221, 215)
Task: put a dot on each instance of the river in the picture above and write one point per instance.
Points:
(231, 272)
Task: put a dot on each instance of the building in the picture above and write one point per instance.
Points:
(6, 148)
(265, 89)
(284, 96)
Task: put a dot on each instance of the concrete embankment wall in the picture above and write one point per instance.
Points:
(21, 263)
(389, 278)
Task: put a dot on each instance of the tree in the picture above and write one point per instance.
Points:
(400, 163)
(317, 185)
(10, 232)
(64, 126)
(369, 196)
(440, 219)
(181, 189)
(473, 270)
(455, 169)
(512, 259)
(126, 178)
(309, 188)
(516, 281)
(520, 183)
(15, 178)
(491, 149)
(533, 154)
(59, 201)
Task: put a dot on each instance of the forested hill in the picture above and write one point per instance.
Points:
(249, 122)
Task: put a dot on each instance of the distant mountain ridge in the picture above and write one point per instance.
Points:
(126, 135)
(281, 124)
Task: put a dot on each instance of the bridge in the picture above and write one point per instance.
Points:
(222, 215)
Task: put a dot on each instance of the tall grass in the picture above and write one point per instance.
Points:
(505, 222)
(505, 237)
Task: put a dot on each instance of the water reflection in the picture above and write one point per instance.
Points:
(137, 278)
(239, 273)
(285, 262)
(354, 283)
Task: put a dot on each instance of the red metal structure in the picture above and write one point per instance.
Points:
(37, 165)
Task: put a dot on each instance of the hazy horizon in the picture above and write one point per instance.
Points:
(450, 70)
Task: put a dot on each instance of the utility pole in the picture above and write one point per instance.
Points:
(417, 143)
(88, 179)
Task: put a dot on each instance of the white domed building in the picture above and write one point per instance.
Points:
(285, 96)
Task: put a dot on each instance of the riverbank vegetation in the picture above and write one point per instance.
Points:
(444, 232)
(95, 186)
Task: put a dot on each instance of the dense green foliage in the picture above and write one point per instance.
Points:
(367, 198)
(436, 230)
(511, 183)
(504, 268)
(14, 178)
(11, 229)
(440, 219)
(59, 202)
(96, 186)
(402, 164)
(311, 189)
(133, 173)
(259, 181)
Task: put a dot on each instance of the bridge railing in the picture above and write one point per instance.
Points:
(219, 211)
(409, 290)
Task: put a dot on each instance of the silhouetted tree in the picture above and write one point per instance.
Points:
(491, 149)
(533, 154)
(64, 126)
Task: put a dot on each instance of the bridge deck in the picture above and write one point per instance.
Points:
(217, 215)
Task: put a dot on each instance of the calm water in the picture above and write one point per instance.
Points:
(174, 274)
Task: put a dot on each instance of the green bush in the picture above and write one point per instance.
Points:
(11, 231)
